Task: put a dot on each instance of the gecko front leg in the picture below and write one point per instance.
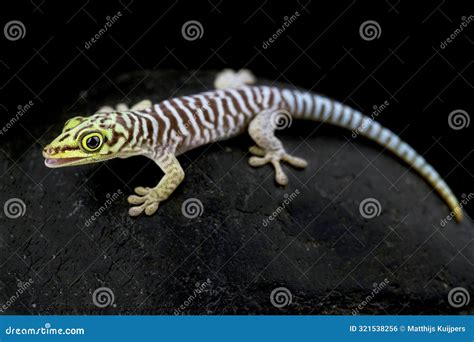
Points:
(150, 198)
(122, 107)
(229, 78)
(269, 148)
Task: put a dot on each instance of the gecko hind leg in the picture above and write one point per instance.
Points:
(269, 148)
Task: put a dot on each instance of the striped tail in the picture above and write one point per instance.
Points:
(319, 108)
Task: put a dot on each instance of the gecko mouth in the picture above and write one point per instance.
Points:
(58, 162)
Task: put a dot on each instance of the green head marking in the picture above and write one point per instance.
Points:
(86, 140)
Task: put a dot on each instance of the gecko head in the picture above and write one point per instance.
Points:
(86, 140)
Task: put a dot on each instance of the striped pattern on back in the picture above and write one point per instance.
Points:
(186, 122)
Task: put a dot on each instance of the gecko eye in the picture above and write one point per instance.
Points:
(91, 142)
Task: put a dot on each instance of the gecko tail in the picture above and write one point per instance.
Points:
(311, 106)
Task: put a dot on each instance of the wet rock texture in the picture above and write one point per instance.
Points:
(326, 256)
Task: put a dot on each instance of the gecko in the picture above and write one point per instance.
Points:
(164, 130)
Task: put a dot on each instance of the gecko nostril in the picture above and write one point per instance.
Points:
(48, 150)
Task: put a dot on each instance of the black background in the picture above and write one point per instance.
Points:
(321, 50)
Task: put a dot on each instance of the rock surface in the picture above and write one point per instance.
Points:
(328, 257)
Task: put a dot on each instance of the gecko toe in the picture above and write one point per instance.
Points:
(280, 176)
(136, 211)
(257, 151)
(142, 105)
(121, 107)
(142, 191)
(152, 208)
(281, 179)
(134, 199)
(257, 161)
(295, 161)
(105, 109)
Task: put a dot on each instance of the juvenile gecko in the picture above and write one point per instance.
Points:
(165, 130)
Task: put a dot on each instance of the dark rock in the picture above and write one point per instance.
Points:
(319, 247)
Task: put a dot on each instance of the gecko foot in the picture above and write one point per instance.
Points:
(275, 157)
(229, 78)
(122, 107)
(142, 105)
(148, 198)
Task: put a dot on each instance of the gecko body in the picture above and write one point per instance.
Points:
(165, 130)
